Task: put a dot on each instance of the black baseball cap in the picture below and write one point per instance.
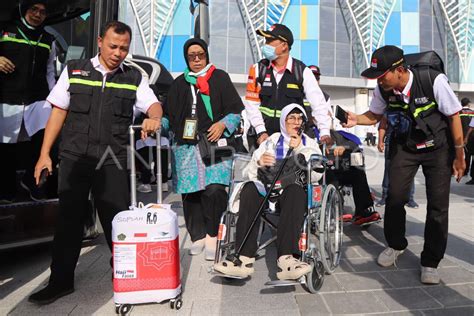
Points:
(278, 31)
(465, 101)
(383, 59)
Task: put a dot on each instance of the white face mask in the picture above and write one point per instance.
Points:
(268, 51)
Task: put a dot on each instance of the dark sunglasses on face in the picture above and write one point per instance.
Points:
(35, 10)
(200, 56)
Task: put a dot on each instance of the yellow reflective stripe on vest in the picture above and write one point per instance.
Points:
(425, 108)
(398, 105)
(86, 82)
(107, 84)
(22, 41)
(121, 86)
(269, 112)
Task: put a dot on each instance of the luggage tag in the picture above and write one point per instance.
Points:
(191, 123)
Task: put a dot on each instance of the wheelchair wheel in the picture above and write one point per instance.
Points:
(315, 279)
(330, 228)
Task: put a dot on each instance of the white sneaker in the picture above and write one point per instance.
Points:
(144, 188)
(164, 187)
(429, 275)
(197, 247)
(388, 257)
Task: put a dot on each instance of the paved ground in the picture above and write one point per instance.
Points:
(359, 286)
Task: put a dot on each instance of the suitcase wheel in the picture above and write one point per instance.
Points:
(176, 303)
(123, 309)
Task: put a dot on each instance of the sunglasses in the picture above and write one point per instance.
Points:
(35, 9)
(294, 118)
(200, 56)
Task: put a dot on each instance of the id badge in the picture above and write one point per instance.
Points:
(190, 128)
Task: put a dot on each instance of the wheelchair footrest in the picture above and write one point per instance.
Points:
(222, 275)
(370, 223)
(276, 283)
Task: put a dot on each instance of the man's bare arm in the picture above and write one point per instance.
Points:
(459, 164)
(367, 118)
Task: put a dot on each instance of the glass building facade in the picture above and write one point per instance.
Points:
(337, 35)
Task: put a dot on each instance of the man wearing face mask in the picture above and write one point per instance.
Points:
(27, 54)
(278, 80)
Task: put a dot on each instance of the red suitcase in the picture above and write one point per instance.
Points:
(146, 249)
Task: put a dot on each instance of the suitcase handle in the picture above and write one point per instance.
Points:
(133, 171)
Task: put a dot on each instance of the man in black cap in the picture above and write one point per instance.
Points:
(426, 131)
(27, 74)
(278, 80)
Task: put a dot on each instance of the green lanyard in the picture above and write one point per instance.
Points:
(28, 40)
(33, 63)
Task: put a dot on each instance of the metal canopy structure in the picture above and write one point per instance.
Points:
(459, 15)
(153, 18)
(261, 14)
(369, 19)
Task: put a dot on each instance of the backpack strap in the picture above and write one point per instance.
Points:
(262, 70)
(425, 76)
(298, 68)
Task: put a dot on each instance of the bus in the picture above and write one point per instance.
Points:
(76, 25)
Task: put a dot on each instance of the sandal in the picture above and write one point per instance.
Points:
(229, 268)
(291, 268)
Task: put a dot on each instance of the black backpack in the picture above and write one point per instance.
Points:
(427, 65)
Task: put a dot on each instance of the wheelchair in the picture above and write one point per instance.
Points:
(320, 242)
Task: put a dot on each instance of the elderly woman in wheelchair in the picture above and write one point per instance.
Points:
(289, 194)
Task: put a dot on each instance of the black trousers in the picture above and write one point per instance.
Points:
(203, 211)
(469, 157)
(109, 187)
(437, 169)
(23, 155)
(292, 205)
(357, 178)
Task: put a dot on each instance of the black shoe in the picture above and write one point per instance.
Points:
(36, 194)
(470, 181)
(49, 294)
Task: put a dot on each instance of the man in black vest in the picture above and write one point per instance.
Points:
(93, 105)
(426, 132)
(27, 56)
(278, 80)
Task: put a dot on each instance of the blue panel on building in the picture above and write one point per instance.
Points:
(410, 49)
(410, 5)
(309, 52)
(393, 30)
(182, 20)
(178, 62)
(312, 27)
(309, 2)
(296, 49)
(292, 20)
(164, 53)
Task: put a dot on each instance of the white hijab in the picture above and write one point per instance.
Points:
(284, 113)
